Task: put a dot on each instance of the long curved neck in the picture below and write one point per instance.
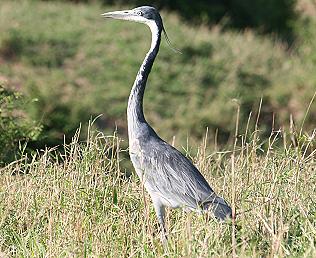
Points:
(135, 114)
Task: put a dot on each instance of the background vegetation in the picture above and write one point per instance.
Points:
(265, 16)
(16, 128)
(77, 66)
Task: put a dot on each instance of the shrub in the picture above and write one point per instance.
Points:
(16, 129)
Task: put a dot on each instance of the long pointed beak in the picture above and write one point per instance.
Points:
(121, 15)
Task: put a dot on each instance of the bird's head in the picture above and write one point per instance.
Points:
(143, 14)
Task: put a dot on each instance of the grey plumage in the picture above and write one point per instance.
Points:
(169, 177)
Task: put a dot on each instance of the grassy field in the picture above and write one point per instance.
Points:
(75, 65)
(83, 204)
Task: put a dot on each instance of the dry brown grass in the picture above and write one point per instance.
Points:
(81, 203)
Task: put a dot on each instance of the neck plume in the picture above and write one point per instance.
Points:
(135, 114)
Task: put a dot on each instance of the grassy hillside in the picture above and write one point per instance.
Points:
(81, 204)
(75, 65)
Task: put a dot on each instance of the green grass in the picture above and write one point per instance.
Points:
(82, 203)
(79, 65)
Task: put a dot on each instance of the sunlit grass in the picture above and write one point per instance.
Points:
(82, 203)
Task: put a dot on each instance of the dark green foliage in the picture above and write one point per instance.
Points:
(266, 16)
(15, 128)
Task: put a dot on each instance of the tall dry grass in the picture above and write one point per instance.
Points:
(82, 203)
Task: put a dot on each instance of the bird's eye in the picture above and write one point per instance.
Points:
(140, 13)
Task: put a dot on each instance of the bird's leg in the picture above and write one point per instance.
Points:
(160, 212)
(163, 236)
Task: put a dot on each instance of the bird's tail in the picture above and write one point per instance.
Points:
(220, 208)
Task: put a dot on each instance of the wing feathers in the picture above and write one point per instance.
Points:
(171, 174)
